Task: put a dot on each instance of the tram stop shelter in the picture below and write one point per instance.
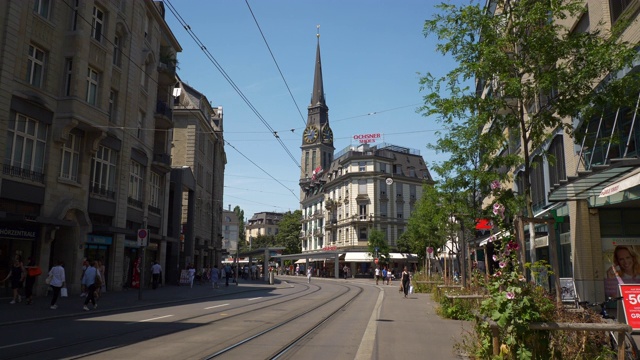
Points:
(267, 253)
(316, 256)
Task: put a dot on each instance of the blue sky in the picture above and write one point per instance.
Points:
(372, 53)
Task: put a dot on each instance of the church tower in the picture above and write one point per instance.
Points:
(317, 138)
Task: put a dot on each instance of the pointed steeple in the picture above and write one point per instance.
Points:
(317, 97)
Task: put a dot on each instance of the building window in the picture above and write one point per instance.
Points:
(400, 211)
(42, 8)
(537, 183)
(557, 169)
(362, 211)
(113, 105)
(140, 124)
(70, 157)
(136, 180)
(399, 190)
(155, 193)
(362, 166)
(383, 168)
(103, 172)
(92, 86)
(383, 209)
(26, 144)
(412, 172)
(97, 24)
(362, 186)
(74, 15)
(68, 72)
(116, 51)
(397, 169)
(363, 233)
(35, 66)
(617, 7)
(306, 163)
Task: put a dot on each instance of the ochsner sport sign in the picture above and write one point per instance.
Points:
(367, 138)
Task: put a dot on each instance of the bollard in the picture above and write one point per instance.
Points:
(271, 277)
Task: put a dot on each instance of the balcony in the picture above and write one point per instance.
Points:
(163, 115)
(135, 203)
(166, 72)
(102, 191)
(162, 160)
(155, 210)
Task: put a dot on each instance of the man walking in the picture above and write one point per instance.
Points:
(89, 282)
(227, 274)
(156, 270)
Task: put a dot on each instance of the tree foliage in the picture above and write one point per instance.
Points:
(241, 232)
(533, 73)
(378, 246)
(289, 229)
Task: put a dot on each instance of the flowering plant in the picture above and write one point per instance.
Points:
(513, 302)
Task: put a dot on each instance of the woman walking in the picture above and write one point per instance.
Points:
(17, 275)
(406, 281)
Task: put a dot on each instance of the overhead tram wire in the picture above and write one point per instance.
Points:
(212, 59)
(123, 128)
(274, 60)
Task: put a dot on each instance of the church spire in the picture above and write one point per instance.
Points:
(317, 97)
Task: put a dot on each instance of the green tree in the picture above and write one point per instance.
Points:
(242, 237)
(532, 74)
(263, 241)
(288, 234)
(378, 246)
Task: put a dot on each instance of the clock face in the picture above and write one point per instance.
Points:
(310, 134)
(327, 134)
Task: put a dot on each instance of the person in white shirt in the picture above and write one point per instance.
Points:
(57, 282)
(309, 274)
(377, 275)
(156, 270)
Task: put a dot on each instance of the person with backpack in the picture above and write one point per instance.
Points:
(227, 274)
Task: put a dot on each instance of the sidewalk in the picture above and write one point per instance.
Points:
(405, 328)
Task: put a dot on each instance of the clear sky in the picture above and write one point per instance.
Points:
(373, 52)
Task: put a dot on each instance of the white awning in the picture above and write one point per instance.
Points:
(624, 184)
(304, 261)
(358, 257)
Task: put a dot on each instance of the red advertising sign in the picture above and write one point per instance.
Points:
(631, 303)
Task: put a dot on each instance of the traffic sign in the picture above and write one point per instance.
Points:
(143, 237)
(389, 181)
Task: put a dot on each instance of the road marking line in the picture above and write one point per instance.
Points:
(25, 343)
(254, 298)
(212, 307)
(365, 350)
(161, 317)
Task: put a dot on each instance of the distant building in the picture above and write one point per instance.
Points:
(197, 176)
(262, 223)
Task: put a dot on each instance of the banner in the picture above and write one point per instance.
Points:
(631, 304)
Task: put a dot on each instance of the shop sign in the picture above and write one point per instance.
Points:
(631, 303)
(367, 138)
(330, 248)
(9, 232)
(99, 239)
(130, 243)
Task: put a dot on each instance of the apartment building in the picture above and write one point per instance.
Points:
(198, 161)
(86, 95)
(262, 224)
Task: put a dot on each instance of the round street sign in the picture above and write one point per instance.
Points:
(430, 250)
(389, 181)
(142, 233)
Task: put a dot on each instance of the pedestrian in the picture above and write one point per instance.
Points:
(389, 275)
(227, 274)
(377, 274)
(32, 271)
(406, 281)
(156, 270)
(297, 269)
(58, 281)
(192, 274)
(17, 275)
(345, 271)
(89, 281)
(100, 269)
(384, 275)
(215, 276)
(309, 274)
(83, 289)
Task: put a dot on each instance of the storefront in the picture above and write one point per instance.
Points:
(15, 240)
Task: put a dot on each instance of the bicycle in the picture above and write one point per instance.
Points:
(630, 347)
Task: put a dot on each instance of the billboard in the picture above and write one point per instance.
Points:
(621, 263)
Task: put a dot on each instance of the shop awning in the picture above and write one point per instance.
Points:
(358, 257)
(628, 182)
(593, 182)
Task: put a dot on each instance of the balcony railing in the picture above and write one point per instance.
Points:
(163, 108)
(102, 191)
(22, 173)
(155, 210)
(133, 202)
(162, 158)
